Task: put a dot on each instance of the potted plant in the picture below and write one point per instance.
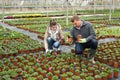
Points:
(43, 73)
(91, 69)
(116, 71)
(71, 69)
(19, 71)
(55, 78)
(63, 70)
(72, 50)
(35, 74)
(116, 65)
(50, 75)
(31, 78)
(63, 76)
(30, 70)
(57, 73)
(14, 74)
(69, 74)
(77, 72)
(75, 77)
(89, 78)
(97, 77)
(104, 75)
(5, 77)
(96, 72)
(83, 75)
(69, 79)
(40, 77)
(110, 62)
(109, 74)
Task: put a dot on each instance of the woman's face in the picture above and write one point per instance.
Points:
(54, 27)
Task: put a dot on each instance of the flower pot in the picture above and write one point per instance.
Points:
(5, 55)
(116, 65)
(72, 51)
(115, 74)
(72, 71)
(110, 62)
(104, 78)
(110, 76)
(49, 77)
(63, 78)
(97, 79)
(72, 60)
(43, 74)
(83, 78)
(77, 74)
(42, 49)
(1, 56)
(58, 75)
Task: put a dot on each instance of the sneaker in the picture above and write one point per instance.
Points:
(58, 49)
(93, 61)
(50, 50)
(55, 49)
(92, 53)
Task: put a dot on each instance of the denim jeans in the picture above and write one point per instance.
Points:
(52, 43)
(80, 47)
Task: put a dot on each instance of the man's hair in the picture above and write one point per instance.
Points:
(76, 17)
(52, 23)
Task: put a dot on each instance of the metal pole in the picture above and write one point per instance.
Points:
(110, 14)
(3, 11)
(67, 14)
(113, 6)
(73, 7)
(47, 6)
(94, 6)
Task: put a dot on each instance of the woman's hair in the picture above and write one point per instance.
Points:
(52, 23)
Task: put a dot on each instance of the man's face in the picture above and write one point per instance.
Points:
(76, 23)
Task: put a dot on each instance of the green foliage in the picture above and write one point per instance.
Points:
(50, 74)
(55, 78)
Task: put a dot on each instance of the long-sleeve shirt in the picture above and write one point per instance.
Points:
(55, 35)
(86, 31)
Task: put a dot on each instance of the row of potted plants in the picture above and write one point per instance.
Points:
(108, 53)
(59, 66)
(13, 43)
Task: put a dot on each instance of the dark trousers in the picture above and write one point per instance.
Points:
(80, 47)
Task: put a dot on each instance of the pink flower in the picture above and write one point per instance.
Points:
(55, 53)
(37, 60)
(50, 68)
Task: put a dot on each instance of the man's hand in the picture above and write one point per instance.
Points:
(83, 40)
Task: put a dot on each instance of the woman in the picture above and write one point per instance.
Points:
(53, 36)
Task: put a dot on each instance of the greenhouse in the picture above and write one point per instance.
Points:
(59, 39)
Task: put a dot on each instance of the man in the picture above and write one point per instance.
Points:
(53, 36)
(83, 36)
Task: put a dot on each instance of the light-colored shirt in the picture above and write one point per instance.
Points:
(56, 35)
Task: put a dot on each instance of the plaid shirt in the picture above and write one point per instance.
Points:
(86, 31)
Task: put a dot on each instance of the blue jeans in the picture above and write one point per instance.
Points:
(80, 47)
(52, 43)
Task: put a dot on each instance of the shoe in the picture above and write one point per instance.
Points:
(50, 50)
(46, 51)
(55, 49)
(58, 49)
(92, 53)
(93, 61)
